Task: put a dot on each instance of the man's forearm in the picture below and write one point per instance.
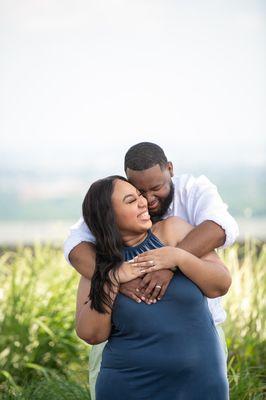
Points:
(82, 257)
(203, 239)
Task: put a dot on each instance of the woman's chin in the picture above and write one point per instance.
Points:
(143, 226)
(147, 224)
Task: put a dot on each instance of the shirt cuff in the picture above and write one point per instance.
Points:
(69, 245)
(228, 224)
(72, 242)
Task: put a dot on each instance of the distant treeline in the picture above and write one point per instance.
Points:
(243, 189)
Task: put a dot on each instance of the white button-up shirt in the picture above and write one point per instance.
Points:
(195, 200)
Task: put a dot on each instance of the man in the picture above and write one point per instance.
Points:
(195, 200)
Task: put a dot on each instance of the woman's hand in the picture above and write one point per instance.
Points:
(154, 260)
(128, 271)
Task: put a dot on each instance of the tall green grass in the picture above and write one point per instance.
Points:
(41, 357)
(37, 308)
(245, 328)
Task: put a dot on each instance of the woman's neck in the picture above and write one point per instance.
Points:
(131, 240)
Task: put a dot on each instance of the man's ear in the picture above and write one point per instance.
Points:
(170, 168)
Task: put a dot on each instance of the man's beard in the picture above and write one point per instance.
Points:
(164, 205)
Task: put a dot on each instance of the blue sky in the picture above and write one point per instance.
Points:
(82, 81)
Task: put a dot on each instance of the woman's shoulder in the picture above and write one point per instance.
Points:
(171, 230)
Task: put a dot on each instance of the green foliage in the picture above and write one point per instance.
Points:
(245, 330)
(51, 388)
(41, 357)
(37, 306)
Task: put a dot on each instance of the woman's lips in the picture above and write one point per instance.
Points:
(144, 216)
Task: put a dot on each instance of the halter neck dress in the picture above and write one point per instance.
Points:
(169, 350)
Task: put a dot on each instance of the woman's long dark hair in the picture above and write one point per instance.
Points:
(99, 215)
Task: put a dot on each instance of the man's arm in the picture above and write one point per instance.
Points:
(203, 239)
(208, 272)
(203, 204)
(198, 241)
(79, 249)
(78, 233)
(82, 257)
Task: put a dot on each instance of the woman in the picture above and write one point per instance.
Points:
(167, 351)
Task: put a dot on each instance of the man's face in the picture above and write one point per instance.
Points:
(156, 185)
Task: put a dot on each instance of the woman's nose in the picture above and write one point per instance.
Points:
(142, 201)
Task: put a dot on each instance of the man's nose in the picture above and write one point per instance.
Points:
(150, 197)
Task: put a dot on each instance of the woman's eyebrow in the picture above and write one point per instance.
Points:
(127, 195)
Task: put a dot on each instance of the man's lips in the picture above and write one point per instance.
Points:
(153, 205)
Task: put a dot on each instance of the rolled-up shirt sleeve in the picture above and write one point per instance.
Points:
(78, 233)
(204, 203)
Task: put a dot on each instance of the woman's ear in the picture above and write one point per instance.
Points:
(170, 168)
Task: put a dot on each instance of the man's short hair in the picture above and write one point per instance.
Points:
(144, 155)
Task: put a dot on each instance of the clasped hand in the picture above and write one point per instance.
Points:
(148, 275)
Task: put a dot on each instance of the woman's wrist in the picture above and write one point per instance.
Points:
(177, 257)
(180, 256)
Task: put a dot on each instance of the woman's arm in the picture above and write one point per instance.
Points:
(92, 326)
(208, 272)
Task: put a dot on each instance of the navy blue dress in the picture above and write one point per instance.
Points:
(169, 350)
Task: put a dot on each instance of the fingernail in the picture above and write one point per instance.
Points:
(143, 298)
(158, 298)
(154, 301)
(137, 290)
(139, 301)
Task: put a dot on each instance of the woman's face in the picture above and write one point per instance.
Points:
(130, 208)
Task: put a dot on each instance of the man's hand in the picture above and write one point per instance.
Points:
(144, 289)
(153, 285)
(129, 289)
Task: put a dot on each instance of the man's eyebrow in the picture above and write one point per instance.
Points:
(155, 186)
(152, 188)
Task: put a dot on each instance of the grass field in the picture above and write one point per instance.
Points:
(41, 357)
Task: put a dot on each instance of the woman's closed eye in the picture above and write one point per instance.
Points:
(133, 199)
(130, 199)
